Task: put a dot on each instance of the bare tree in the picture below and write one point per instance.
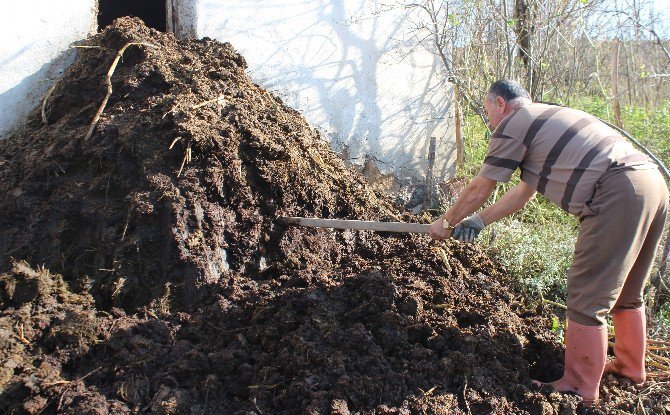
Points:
(559, 49)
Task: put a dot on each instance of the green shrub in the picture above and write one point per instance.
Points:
(537, 256)
(661, 322)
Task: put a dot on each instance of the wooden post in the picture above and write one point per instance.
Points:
(614, 81)
(460, 146)
(428, 191)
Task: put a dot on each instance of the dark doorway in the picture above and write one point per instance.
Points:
(152, 12)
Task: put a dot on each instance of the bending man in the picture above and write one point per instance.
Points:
(621, 199)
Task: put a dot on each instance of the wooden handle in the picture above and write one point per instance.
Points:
(357, 224)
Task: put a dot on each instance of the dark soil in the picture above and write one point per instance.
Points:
(181, 294)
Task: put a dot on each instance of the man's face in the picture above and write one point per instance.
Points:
(495, 110)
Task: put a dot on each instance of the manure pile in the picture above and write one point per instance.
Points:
(143, 271)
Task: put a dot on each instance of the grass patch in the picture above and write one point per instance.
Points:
(537, 257)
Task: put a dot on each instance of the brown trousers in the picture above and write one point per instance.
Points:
(620, 229)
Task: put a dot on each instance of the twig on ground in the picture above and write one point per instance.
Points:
(658, 348)
(187, 158)
(217, 100)
(60, 167)
(56, 383)
(125, 226)
(443, 255)
(429, 391)
(659, 366)
(108, 81)
(263, 386)
(60, 400)
(44, 102)
(653, 386)
(640, 405)
(662, 359)
(69, 382)
(256, 405)
(174, 142)
(465, 397)
(544, 300)
(21, 337)
(89, 373)
(111, 327)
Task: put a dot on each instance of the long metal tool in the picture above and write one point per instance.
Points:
(401, 227)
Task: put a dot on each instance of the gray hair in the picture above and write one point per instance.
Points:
(511, 91)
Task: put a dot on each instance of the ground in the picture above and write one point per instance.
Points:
(143, 269)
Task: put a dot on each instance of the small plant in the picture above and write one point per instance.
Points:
(537, 256)
(78, 328)
(557, 327)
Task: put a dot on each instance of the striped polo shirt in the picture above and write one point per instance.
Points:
(562, 152)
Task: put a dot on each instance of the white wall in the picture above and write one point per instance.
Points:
(352, 67)
(35, 47)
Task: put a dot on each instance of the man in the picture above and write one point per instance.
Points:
(589, 170)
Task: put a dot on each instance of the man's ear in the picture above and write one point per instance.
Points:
(500, 104)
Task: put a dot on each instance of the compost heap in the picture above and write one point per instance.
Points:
(182, 294)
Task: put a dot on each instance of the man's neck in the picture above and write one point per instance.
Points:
(516, 104)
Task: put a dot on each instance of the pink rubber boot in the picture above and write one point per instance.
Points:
(585, 355)
(630, 344)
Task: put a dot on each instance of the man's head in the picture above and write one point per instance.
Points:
(504, 96)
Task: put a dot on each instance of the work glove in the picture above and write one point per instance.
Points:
(468, 229)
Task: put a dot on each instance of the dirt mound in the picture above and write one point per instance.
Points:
(182, 179)
(182, 295)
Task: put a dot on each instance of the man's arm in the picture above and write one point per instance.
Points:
(468, 229)
(473, 196)
(511, 202)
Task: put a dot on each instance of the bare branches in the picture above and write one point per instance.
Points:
(443, 24)
(561, 49)
(636, 21)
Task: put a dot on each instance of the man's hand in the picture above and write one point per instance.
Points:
(468, 229)
(438, 231)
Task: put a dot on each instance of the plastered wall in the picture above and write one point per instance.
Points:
(36, 39)
(352, 67)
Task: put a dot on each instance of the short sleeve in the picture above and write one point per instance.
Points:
(504, 156)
